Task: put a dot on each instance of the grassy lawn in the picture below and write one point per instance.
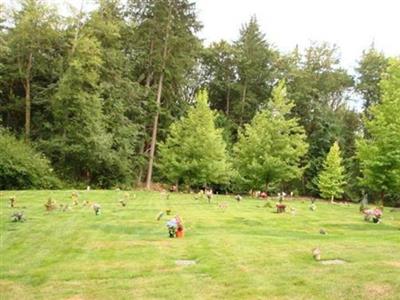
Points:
(245, 251)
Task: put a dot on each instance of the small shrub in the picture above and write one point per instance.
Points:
(21, 167)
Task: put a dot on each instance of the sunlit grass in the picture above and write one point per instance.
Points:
(245, 251)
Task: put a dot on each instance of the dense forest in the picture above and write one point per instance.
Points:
(128, 95)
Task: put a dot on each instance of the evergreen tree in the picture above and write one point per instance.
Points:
(255, 60)
(167, 49)
(194, 152)
(270, 149)
(332, 178)
(379, 155)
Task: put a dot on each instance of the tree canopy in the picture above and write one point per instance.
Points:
(379, 154)
(194, 152)
(96, 92)
(270, 148)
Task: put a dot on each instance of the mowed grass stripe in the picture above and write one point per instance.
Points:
(245, 251)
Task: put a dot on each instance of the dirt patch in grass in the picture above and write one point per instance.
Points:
(395, 264)
(77, 297)
(377, 291)
(8, 287)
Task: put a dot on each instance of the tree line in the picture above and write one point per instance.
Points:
(101, 96)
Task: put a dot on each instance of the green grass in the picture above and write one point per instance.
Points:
(243, 252)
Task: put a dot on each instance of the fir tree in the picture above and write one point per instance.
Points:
(332, 178)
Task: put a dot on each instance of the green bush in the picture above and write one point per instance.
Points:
(21, 167)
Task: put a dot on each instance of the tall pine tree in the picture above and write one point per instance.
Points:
(255, 60)
(167, 48)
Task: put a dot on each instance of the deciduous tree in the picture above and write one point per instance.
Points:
(194, 152)
(270, 148)
(379, 155)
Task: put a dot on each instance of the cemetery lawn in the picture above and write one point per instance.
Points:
(243, 252)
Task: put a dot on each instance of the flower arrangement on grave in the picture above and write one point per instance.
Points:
(280, 207)
(18, 217)
(96, 208)
(373, 215)
(175, 227)
(74, 198)
(13, 199)
(50, 204)
(263, 195)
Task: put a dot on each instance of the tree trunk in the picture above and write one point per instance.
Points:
(382, 198)
(141, 153)
(243, 101)
(228, 100)
(158, 104)
(332, 200)
(28, 101)
(154, 133)
(79, 24)
(143, 145)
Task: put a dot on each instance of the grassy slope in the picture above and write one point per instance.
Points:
(245, 252)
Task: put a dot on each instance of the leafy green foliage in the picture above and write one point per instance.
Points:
(194, 152)
(370, 70)
(219, 67)
(121, 95)
(21, 167)
(79, 144)
(379, 155)
(332, 178)
(270, 148)
(318, 85)
(35, 46)
(96, 91)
